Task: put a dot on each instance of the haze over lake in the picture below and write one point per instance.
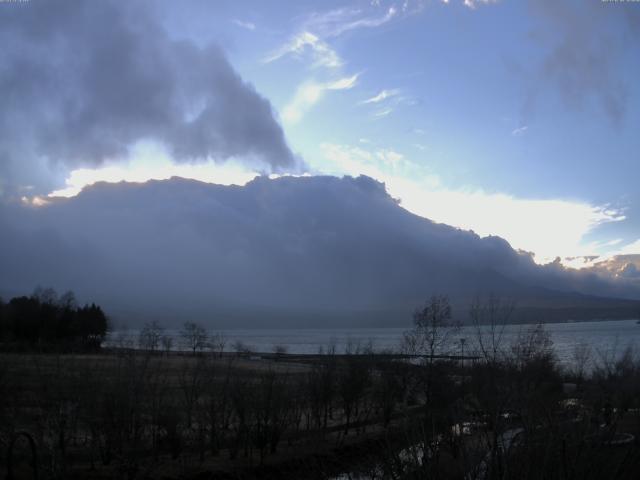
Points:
(605, 338)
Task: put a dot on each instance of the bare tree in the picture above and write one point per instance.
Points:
(241, 347)
(167, 343)
(581, 358)
(217, 343)
(533, 345)
(191, 380)
(388, 388)
(321, 387)
(121, 338)
(490, 317)
(269, 412)
(353, 380)
(68, 300)
(194, 336)
(46, 295)
(280, 349)
(150, 335)
(433, 328)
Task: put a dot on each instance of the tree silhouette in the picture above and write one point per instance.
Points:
(194, 336)
(46, 321)
(150, 335)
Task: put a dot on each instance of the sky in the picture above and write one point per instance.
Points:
(511, 118)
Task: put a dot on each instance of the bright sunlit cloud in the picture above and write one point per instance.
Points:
(548, 228)
(151, 162)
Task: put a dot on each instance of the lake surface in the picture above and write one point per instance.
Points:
(603, 337)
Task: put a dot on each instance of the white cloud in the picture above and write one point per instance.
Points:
(517, 132)
(323, 55)
(387, 101)
(624, 266)
(318, 27)
(383, 113)
(608, 257)
(474, 3)
(309, 93)
(246, 25)
(546, 227)
(344, 83)
(383, 95)
(336, 22)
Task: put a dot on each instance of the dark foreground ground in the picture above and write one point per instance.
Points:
(132, 414)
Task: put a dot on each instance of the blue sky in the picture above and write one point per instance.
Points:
(514, 118)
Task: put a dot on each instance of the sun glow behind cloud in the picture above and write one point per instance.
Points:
(151, 162)
(549, 228)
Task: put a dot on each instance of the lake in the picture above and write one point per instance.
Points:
(604, 338)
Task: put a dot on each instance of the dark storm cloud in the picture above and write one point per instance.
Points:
(584, 42)
(82, 81)
(313, 245)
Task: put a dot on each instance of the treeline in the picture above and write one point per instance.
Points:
(47, 321)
